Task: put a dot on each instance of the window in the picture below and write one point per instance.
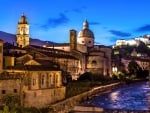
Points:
(56, 78)
(94, 62)
(35, 94)
(49, 80)
(42, 80)
(34, 82)
(3, 92)
(15, 90)
(0, 49)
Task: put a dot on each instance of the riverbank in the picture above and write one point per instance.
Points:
(84, 109)
(68, 104)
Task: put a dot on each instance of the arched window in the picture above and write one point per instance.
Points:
(42, 79)
(49, 79)
(34, 81)
(94, 62)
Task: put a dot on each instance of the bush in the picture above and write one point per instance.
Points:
(11, 100)
(85, 77)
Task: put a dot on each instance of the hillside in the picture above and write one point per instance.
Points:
(11, 38)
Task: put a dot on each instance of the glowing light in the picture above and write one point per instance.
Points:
(114, 69)
(114, 95)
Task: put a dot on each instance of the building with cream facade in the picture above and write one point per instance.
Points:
(37, 82)
(133, 42)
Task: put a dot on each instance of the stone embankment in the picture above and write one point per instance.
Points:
(68, 104)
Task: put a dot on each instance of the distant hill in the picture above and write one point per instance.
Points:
(11, 38)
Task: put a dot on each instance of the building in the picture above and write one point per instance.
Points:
(92, 58)
(133, 42)
(37, 73)
(38, 82)
(23, 32)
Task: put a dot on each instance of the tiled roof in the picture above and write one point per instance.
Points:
(33, 68)
(137, 58)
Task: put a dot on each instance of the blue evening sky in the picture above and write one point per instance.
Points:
(52, 19)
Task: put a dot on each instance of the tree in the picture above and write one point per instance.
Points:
(134, 68)
(11, 100)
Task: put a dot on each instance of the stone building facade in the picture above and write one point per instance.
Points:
(36, 88)
(92, 58)
(23, 32)
(41, 70)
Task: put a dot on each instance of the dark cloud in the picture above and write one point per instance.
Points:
(76, 10)
(143, 28)
(54, 22)
(119, 33)
(84, 7)
(94, 23)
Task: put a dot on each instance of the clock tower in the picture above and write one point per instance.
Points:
(23, 32)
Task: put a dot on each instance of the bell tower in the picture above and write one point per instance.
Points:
(23, 32)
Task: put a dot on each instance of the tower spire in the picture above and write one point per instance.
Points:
(85, 24)
(23, 32)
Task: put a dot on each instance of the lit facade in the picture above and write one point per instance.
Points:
(23, 32)
(134, 42)
(92, 58)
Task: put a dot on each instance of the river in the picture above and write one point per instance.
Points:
(129, 97)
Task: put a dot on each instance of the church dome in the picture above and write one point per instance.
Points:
(23, 20)
(86, 32)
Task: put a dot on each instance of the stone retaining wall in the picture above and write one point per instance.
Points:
(126, 111)
(68, 104)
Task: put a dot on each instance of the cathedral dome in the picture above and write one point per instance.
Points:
(86, 32)
(23, 20)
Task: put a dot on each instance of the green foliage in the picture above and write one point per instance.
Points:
(119, 76)
(133, 67)
(85, 77)
(136, 71)
(77, 87)
(93, 77)
(6, 109)
(11, 100)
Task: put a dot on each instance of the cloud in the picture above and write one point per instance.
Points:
(94, 23)
(119, 33)
(143, 28)
(54, 22)
(76, 10)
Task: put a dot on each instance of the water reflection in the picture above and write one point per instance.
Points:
(131, 97)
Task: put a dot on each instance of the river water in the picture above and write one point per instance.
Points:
(129, 97)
